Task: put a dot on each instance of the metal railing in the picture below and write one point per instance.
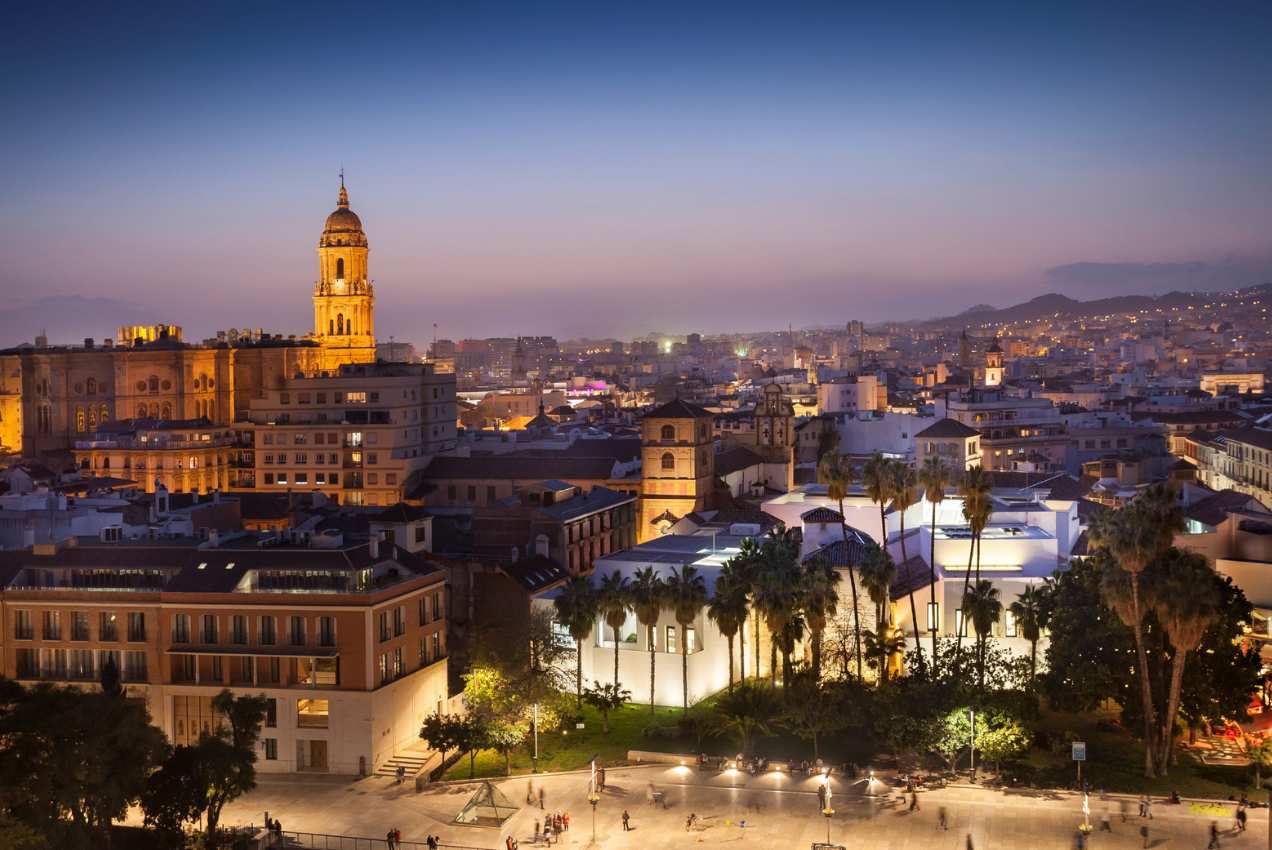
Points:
(322, 841)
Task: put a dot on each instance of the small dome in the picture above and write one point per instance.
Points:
(343, 220)
(343, 226)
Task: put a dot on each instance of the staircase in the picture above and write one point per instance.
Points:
(413, 761)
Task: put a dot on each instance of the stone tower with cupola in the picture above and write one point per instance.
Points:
(677, 466)
(344, 299)
(994, 365)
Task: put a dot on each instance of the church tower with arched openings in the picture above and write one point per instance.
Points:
(344, 299)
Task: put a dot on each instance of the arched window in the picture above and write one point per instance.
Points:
(141, 411)
(92, 386)
(331, 327)
(92, 417)
(166, 411)
(154, 383)
(340, 269)
(668, 432)
(105, 414)
(340, 324)
(668, 461)
(79, 419)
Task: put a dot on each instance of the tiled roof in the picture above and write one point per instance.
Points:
(519, 466)
(678, 409)
(1058, 485)
(596, 499)
(841, 554)
(1214, 509)
(1260, 438)
(947, 428)
(912, 574)
(822, 514)
(535, 572)
(401, 512)
(736, 458)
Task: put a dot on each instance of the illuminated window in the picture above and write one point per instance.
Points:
(668, 461)
(668, 432)
(673, 639)
(960, 627)
(1009, 624)
(340, 268)
(933, 616)
(312, 713)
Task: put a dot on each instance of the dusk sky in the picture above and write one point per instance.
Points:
(612, 169)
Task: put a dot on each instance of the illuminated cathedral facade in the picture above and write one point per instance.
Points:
(52, 396)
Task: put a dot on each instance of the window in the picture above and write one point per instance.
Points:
(933, 616)
(326, 631)
(52, 625)
(668, 461)
(209, 630)
(399, 621)
(673, 640)
(397, 663)
(134, 669)
(281, 478)
(181, 628)
(268, 631)
(302, 477)
(27, 664)
(472, 493)
(296, 631)
(319, 671)
(1009, 623)
(356, 398)
(960, 627)
(22, 629)
(79, 625)
(271, 713)
(81, 664)
(271, 749)
(436, 640)
(269, 478)
(312, 713)
(668, 432)
(383, 619)
(136, 626)
(301, 459)
(218, 668)
(382, 664)
(238, 629)
(691, 639)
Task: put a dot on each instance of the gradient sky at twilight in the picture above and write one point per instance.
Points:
(603, 168)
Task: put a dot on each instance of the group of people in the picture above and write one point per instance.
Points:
(550, 830)
(275, 829)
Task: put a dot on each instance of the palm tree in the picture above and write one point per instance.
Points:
(576, 610)
(791, 633)
(727, 608)
(934, 477)
(1186, 601)
(983, 606)
(877, 574)
(647, 593)
(877, 479)
(777, 588)
(748, 710)
(1136, 535)
(613, 600)
(1030, 612)
(687, 595)
(835, 471)
(820, 599)
(746, 565)
(977, 508)
(904, 487)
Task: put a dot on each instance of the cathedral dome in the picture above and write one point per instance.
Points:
(343, 226)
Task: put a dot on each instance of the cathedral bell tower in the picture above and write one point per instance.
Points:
(344, 300)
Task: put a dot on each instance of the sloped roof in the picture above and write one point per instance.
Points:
(401, 512)
(849, 554)
(535, 572)
(1214, 509)
(822, 514)
(678, 409)
(947, 428)
(912, 574)
(736, 458)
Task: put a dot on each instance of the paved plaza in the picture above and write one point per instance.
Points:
(769, 811)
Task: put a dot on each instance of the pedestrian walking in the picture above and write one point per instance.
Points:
(547, 832)
(538, 830)
(942, 821)
(1121, 809)
(1079, 840)
(914, 801)
(390, 840)
(530, 793)
(431, 841)
(1106, 821)
(1143, 806)
(1214, 837)
(400, 773)
(565, 821)
(397, 837)
(540, 796)
(970, 846)
(1144, 833)
(1148, 806)
(1241, 819)
(627, 826)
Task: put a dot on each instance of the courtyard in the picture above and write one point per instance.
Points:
(771, 810)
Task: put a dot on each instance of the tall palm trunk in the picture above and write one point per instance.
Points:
(616, 658)
(652, 657)
(729, 638)
(1033, 662)
(914, 611)
(852, 583)
(816, 636)
(742, 650)
(932, 586)
(959, 628)
(578, 673)
(1172, 709)
(684, 670)
(772, 659)
(757, 643)
(1146, 691)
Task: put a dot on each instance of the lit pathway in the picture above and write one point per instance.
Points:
(779, 812)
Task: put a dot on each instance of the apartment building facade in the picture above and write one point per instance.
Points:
(355, 436)
(347, 642)
(181, 455)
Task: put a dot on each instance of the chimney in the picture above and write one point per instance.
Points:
(375, 546)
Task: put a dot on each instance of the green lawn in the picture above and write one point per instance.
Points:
(1115, 762)
(572, 750)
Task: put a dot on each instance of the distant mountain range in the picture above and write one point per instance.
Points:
(1053, 304)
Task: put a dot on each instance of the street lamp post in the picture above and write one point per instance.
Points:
(827, 809)
(593, 798)
(972, 712)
